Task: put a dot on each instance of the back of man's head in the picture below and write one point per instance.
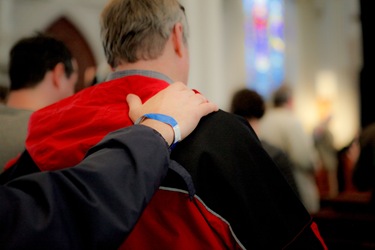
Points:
(282, 95)
(31, 58)
(248, 103)
(133, 30)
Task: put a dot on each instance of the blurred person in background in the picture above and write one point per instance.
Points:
(281, 128)
(328, 157)
(250, 105)
(41, 71)
(364, 169)
(3, 93)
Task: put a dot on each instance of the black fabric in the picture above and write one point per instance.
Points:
(237, 179)
(18, 169)
(284, 163)
(91, 206)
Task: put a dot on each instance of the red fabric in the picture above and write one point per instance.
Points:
(61, 134)
(11, 162)
(183, 224)
(315, 229)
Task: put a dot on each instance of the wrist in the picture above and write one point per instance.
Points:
(165, 120)
(163, 129)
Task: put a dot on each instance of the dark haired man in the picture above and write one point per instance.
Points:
(41, 71)
(250, 105)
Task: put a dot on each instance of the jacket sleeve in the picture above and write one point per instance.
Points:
(93, 205)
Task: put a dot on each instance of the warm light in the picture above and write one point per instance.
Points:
(326, 91)
(326, 85)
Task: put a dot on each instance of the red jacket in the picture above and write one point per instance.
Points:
(229, 195)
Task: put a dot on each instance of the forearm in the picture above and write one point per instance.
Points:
(86, 206)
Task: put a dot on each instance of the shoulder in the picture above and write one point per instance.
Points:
(224, 117)
(12, 112)
(220, 133)
(14, 118)
(224, 125)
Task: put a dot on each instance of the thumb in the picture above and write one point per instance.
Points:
(135, 105)
(133, 101)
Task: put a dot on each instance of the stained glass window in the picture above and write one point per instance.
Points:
(264, 44)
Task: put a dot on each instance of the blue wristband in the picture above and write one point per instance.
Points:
(165, 119)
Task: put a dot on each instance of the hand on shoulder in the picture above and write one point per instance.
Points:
(177, 101)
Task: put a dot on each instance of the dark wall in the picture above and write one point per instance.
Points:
(367, 76)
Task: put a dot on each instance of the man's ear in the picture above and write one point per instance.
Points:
(58, 73)
(177, 38)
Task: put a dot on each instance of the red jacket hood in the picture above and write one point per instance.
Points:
(61, 134)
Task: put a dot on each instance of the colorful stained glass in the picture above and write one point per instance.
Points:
(264, 44)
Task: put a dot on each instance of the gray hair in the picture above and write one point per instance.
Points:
(132, 30)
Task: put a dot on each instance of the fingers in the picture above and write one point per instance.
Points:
(205, 106)
(178, 86)
(208, 107)
(201, 97)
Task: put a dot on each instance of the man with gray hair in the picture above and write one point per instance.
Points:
(223, 192)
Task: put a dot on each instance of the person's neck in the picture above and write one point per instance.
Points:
(151, 65)
(254, 123)
(24, 99)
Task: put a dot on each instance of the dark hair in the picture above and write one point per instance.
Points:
(282, 95)
(32, 57)
(248, 103)
(3, 93)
